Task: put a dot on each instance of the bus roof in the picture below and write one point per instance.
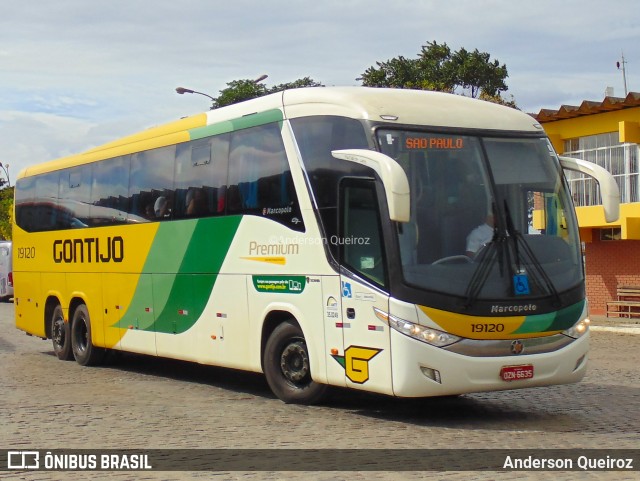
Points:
(402, 106)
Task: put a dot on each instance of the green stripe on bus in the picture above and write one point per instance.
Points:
(245, 122)
(182, 266)
(553, 321)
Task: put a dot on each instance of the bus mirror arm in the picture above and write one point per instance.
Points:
(609, 190)
(394, 179)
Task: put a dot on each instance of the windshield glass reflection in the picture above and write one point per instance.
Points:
(515, 202)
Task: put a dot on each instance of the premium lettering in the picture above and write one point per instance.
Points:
(89, 249)
(272, 249)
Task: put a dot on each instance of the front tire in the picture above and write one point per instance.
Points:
(85, 353)
(60, 335)
(287, 367)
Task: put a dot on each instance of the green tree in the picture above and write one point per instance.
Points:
(438, 68)
(6, 212)
(241, 90)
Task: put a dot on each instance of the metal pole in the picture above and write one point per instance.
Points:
(624, 73)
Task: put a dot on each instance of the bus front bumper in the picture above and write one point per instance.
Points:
(421, 370)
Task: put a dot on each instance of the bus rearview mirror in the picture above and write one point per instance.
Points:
(393, 176)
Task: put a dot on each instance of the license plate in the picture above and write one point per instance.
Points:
(516, 373)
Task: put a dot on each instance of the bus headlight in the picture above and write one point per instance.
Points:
(578, 329)
(429, 335)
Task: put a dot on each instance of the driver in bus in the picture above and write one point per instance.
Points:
(480, 236)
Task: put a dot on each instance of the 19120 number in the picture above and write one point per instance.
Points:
(487, 327)
(26, 252)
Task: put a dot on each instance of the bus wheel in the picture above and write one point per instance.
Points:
(286, 366)
(84, 351)
(60, 335)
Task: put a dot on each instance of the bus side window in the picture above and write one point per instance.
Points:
(260, 181)
(25, 190)
(48, 210)
(109, 191)
(151, 183)
(360, 240)
(201, 177)
(75, 195)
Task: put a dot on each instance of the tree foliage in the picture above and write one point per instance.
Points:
(438, 68)
(241, 90)
(6, 212)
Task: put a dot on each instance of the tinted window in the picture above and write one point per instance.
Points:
(175, 182)
(151, 185)
(316, 138)
(201, 177)
(260, 181)
(109, 191)
(361, 234)
(75, 194)
(25, 209)
(49, 214)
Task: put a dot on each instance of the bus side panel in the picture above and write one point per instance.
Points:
(367, 346)
(54, 284)
(178, 301)
(301, 297)
(137, 320)
(224, 331)
(28, 303)
(115, 298)
(88, 287)
(333, 330)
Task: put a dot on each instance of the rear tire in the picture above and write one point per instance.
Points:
(60, 335)
(287, 367)
(85, 353)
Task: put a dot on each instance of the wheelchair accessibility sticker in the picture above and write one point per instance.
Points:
(521, 285)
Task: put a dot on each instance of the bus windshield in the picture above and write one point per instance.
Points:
(490, 217)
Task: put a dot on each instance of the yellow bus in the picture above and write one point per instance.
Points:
(401, 242)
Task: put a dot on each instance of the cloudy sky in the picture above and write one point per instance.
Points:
(77, 73)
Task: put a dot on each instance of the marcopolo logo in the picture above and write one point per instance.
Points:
(513, 308)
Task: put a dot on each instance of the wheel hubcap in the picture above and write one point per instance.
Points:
(294, 362)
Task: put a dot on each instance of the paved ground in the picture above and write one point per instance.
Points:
(140, 402)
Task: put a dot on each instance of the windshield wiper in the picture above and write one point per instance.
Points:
(495, 248)
(499, 248)
(537, 271)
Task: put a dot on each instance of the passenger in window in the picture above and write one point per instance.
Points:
(161, 208)
(149, 212)
(196, 203)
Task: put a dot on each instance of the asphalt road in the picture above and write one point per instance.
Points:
(139, 402)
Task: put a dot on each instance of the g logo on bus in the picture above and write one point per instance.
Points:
(517, 347)
(356, 362)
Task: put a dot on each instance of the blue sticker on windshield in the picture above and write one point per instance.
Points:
(521, 285)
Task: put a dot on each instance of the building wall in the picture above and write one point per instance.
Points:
(609, 264)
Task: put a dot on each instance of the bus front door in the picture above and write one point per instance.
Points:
(366, 353)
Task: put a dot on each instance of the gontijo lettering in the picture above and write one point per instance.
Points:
(89, 249)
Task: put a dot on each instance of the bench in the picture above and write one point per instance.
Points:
(627, 303)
